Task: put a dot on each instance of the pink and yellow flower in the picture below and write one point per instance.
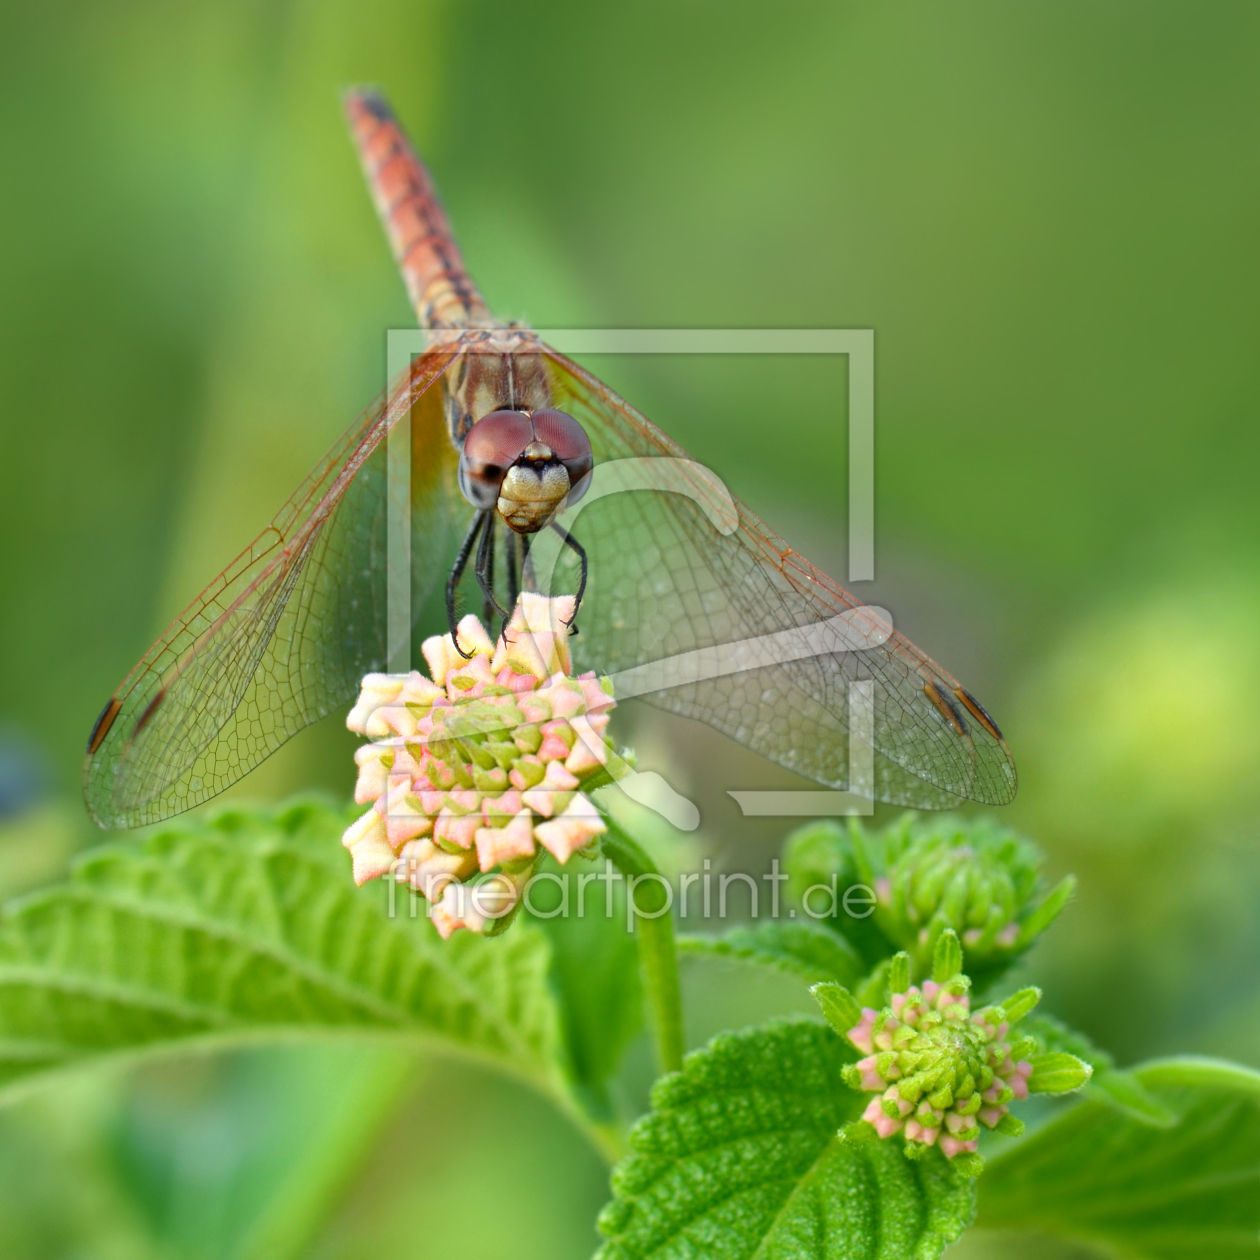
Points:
(482, 766)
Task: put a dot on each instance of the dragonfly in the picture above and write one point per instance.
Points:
(505, 432)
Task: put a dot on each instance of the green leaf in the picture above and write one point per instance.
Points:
(1057, 1073)
(246, 926)
(595, 974)
(304, 1120)
(838, 1005)
(1177, 1193)
(810, 952)
(740, 1157)
(1200, 1071)
(1124, 1091)
(947, 960)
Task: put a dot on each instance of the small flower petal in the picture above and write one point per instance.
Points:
(429, 869)
(589, 749)
(572, 830)
(496, 845)
(374, 691)
(369, 847)
(373, 777)
(536, 640)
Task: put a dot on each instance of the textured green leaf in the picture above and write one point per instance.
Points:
(740, 1158)
(249, 925)
(1126, 1093)
(813, 953)
(1179, 1193)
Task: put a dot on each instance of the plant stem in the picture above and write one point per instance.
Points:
(654, 926)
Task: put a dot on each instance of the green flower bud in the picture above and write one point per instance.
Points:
(939, 1072)
(973, 878)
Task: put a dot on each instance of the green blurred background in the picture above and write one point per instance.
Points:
(1047, 213)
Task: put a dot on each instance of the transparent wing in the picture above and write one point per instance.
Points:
(667, 581)
(282, 637)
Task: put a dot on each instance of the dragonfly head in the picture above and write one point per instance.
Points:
(524, 464)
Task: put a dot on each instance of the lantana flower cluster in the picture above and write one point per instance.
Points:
(944, 884)
(938, 1071)
(970, 876)
(978, 878)
(474, 772)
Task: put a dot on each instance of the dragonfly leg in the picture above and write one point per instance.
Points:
(529, 581)
(580, 551)
(485, 564)
(512, 557)
(457, 572)
(485, 573)
(513, 551)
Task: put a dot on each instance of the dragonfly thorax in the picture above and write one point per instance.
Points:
(524, 464)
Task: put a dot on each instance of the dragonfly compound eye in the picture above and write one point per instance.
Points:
(491, 447)
(569, 444)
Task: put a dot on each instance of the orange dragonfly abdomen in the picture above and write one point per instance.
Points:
(441, 291)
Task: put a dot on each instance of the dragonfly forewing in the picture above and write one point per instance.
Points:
(283, 636)
(667, 580)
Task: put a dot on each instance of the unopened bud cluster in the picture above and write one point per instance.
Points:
(478, 768)
(978, 879)
(939, 1071)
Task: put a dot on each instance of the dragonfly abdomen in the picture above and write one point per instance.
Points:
(441, 291)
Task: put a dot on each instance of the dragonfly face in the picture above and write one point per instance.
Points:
(693, 602)
(523, 465)
(517, 467)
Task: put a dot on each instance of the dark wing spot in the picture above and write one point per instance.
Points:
(979, 712)
(946, 707)
(103, 723)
